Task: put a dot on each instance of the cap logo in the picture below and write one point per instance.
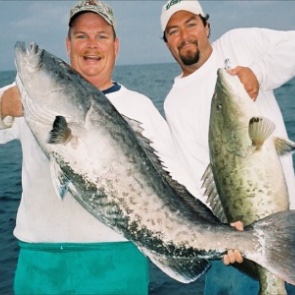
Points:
(171, 3)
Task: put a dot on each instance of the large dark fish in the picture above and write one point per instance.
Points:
(245, 163)
(114, 175)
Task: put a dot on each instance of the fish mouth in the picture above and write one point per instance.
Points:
(225, 81)
(223, 87)
(29, 61)
(30, 56)
(20, 51)
(20, 47)
(230, 84)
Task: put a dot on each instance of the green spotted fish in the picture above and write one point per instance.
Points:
(245, 180)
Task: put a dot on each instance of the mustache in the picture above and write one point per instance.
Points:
(182, 44)
(92, 52)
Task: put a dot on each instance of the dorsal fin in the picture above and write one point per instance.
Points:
(212, 195)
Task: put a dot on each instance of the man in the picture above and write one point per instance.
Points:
(64, 249)
(263, 60)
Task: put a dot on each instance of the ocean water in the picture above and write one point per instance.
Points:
(152, 80)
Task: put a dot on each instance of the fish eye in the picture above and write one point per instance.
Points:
(219, 107)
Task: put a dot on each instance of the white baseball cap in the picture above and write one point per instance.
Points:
(173, 6)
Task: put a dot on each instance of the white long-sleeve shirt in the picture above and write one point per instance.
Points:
(42, 216)
(271, 56)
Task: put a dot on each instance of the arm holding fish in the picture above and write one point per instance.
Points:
(10, 105)
(277, 63)
(248, 79)
(269, 54)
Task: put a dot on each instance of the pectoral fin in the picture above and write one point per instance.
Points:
(260, 129)
(60, 132)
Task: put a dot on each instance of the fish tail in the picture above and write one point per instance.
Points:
(276, 236)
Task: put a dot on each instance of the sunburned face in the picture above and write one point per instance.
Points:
(92, 49)
(187, 39)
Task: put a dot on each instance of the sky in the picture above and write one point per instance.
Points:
(138, 22)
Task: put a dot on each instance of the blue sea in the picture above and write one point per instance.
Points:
(152, 80)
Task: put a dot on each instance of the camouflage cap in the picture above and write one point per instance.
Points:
(96, 6)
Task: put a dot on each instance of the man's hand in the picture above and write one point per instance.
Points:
(11, 103)
(234, 256)
(248, 79)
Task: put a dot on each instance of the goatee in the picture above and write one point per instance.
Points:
(190, 59)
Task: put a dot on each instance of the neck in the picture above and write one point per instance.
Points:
(101, 84)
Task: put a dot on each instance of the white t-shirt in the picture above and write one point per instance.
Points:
(42, 216)
(271, 56)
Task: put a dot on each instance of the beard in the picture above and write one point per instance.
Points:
(191, 57)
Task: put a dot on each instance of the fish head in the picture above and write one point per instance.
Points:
(231, 110)
(45, 84)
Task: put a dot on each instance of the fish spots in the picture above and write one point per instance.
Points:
(129, 172)
(151, 221)
(129, 210)
(132, 200)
